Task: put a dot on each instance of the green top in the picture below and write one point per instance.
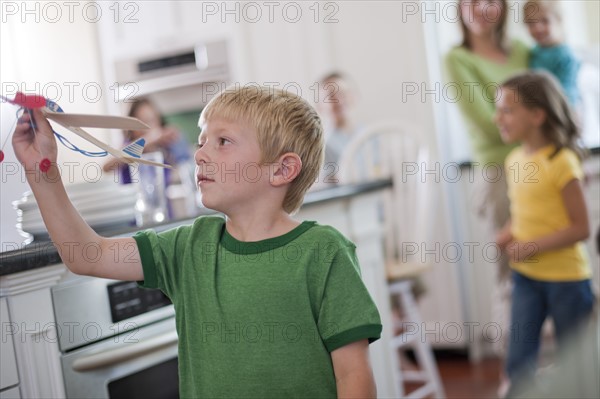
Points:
(477, 81)
(259, 319)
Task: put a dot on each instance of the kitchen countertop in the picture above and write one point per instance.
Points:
(44, 253)
(593, 151)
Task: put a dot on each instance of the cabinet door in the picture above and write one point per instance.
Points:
(11, 393)
(203, 21)
(8, 363)
(128, 29)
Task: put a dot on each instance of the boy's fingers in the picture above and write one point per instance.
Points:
(23, 125)
(23, 118)
(41, 123)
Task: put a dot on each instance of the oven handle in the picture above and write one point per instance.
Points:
(112, 356)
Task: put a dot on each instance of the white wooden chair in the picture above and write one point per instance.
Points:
(399, 154)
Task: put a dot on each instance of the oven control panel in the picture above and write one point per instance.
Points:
(127, 300)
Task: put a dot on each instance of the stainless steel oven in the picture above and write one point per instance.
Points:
(117, 340)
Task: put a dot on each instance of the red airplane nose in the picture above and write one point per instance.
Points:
(29, 101)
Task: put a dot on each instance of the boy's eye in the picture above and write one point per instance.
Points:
(222, 141)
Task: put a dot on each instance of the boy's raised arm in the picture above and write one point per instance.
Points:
(81, 249)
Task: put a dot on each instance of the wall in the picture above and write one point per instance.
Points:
(366, 42)
(59, 60)
(42, 53)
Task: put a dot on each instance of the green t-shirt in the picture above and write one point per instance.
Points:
(259, 319)
(477, 79)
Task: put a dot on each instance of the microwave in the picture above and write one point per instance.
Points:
(177, 80)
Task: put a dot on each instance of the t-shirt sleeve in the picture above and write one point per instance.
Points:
(347, 313)
(160, 254)
(564, 168)
(476, 105)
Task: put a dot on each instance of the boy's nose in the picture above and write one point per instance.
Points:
(200, 156)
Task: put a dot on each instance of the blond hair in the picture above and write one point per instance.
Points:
(541, 90)
(284, 122)
(532, 8)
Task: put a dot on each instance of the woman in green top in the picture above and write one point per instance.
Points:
(478, 65)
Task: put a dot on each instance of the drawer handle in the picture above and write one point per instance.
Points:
(118, 355)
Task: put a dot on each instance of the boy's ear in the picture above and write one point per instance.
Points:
(285, 169)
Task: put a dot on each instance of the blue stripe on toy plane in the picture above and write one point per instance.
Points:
(52, 106)
(136, 148)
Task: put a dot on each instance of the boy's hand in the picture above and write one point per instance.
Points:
(32, 147)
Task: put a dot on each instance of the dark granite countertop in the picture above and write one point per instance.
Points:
(44, 253)
(469, 164)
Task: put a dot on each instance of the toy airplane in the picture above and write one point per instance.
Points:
(131, 153)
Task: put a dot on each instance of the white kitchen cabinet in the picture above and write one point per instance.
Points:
(35, 338)
(136, 28)
(200, 21)
(11, 393)
(157, 29)
(145, 28)
(8, 363)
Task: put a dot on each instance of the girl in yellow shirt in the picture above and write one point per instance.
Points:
(549, 220)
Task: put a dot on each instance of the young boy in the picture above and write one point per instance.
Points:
(336, 106)
(543, 19)
(265, 306)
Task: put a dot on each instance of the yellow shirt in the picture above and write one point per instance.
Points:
(537, 209)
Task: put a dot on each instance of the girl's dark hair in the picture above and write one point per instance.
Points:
(133, 109)
(500, 32)
(542, 90)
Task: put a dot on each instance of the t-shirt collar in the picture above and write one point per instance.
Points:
(254, 247)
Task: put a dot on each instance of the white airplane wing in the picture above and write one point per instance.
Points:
(96, 121)
(129, 158)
